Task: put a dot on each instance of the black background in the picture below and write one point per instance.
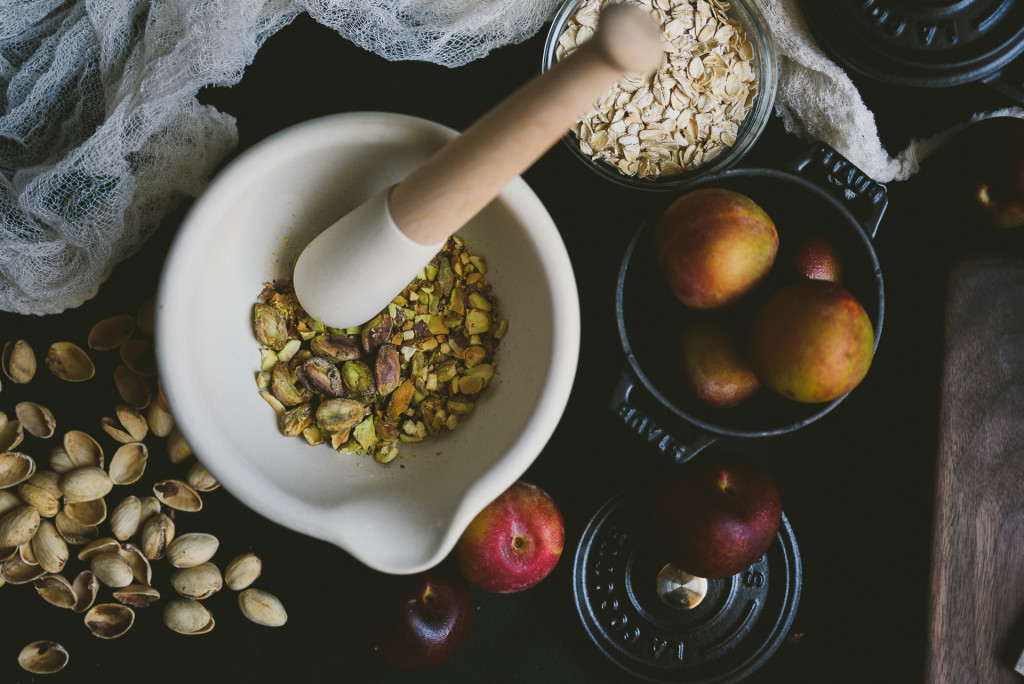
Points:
(856, 485)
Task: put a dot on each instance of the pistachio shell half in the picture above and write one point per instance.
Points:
(14, 570)
(178, 495)
(15, 468)
(111, 333)
(132, 387)
(178, 449)
(69, 362)
(74, 532)
(87, 512)
(43, 657)
(57, 591)
(109, 620)
(82, 449)
(128, 463)
(11, 435)
(37, 420)
(86, 587)
(137, 595)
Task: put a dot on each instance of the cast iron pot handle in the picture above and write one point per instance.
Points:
(1006, 83)
(640, 422)
(863, 197)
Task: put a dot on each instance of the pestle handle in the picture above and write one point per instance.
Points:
(458, 181)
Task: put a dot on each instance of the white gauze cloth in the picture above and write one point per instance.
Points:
(101, 132)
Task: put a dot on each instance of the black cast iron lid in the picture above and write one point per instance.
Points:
(923, 43)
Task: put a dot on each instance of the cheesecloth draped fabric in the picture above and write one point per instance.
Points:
(101, 132)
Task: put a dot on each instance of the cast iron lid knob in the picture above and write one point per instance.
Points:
(924, 43)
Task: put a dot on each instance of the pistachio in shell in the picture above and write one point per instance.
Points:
(19, 361)
(43, 657)
(15, 468)
(69, 362)
(242, 571)
(178, 495)
(85, 483)
(45, 502)
(157, 533)
(334, 347)
(124, 521)
(262, 607)
(109, 620)
(188, 616)
(201, 479)
(192, 549)
(161, 422)
(8, 502)
(134, 389)
(150, 508)
(111, 569)
(198, 582)
(57, 591)
(178, 448)
(111, 332)
(128, 463)
(19, 526)
(86, 587)
(11, 435)
(82, 449)
(50, 549)
(36, 419)
(137, 595)
(270, 326)
(139, 355)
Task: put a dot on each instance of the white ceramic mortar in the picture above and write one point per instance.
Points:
(247, 229)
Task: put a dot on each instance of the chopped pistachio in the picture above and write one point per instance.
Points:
(293, 421)
(268, 359)
(357, 376)
(365, 434)
(478, 301)
(409, 373)
(291, 347)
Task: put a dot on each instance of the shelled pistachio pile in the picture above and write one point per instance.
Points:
(411, 372)
(45, 511)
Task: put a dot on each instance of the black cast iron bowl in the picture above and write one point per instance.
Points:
(820, 192)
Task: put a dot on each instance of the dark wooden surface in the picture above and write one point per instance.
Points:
(976, 618)
(857, 485)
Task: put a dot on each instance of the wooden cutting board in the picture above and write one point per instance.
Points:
(976, 620)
